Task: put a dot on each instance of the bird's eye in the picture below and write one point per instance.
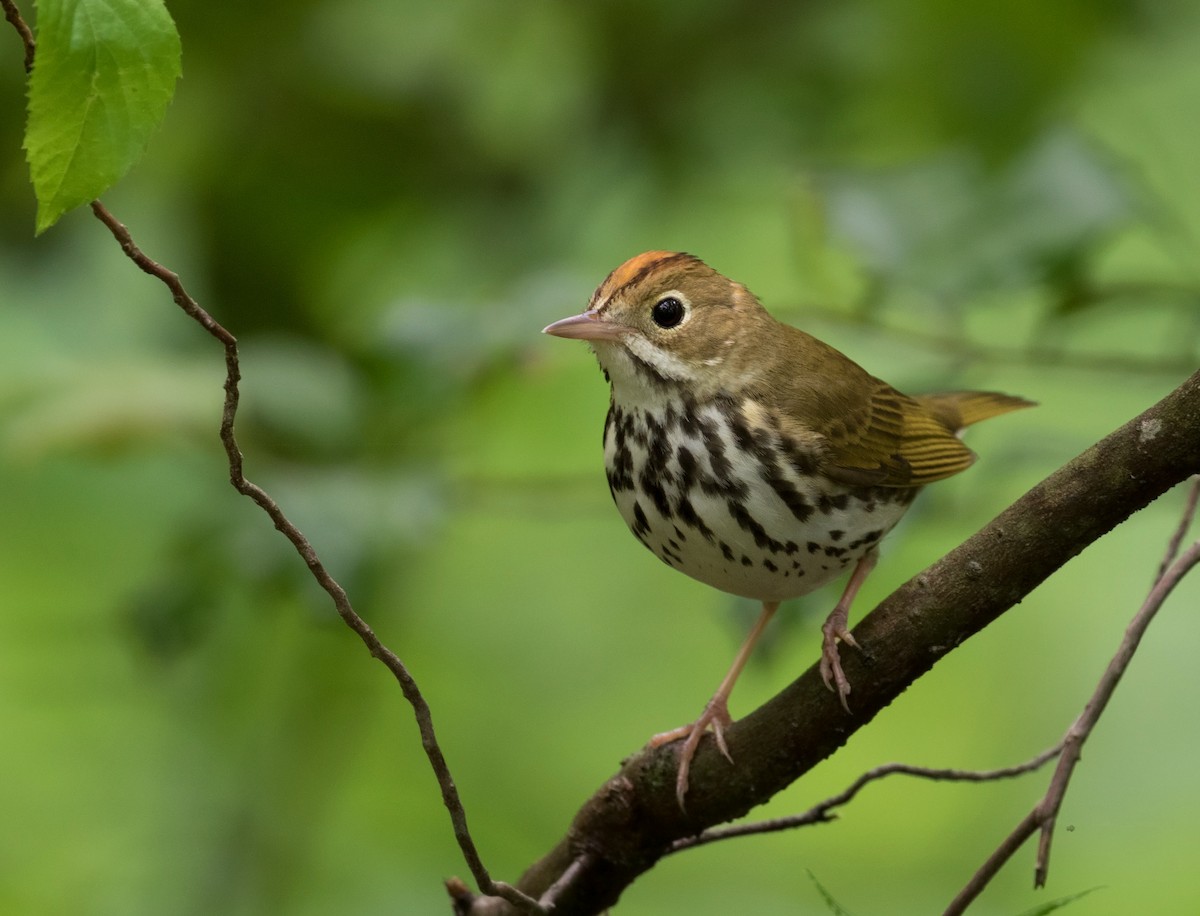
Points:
(667, 312)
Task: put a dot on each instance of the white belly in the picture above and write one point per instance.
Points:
(757, 525)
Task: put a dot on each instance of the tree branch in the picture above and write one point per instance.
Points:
(13, 15)
(633, 820)
(820, 813)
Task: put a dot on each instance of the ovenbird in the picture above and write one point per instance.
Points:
(752, 456)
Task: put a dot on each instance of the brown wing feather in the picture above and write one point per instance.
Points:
(870, 433)
(900, 441)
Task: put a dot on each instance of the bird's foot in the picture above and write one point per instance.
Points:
(835, 628)
(715, 716)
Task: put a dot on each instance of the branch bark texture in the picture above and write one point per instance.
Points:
(634, 818)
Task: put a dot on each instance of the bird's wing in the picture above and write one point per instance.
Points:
(893, 440)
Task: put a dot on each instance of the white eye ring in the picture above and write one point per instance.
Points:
(669, 310)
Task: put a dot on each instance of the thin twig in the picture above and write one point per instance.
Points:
(13, 15)
(341, 600)
(564, 881)
(244, 486)
(1079, 732)
(1044, 814)
(820, 812)
(1181, 530)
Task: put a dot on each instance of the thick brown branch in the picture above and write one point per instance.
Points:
(633, 819)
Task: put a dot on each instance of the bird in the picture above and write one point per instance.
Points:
(752, 456)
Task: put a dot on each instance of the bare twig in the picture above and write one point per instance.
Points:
(13, 15)
(341, 601)
(1181, 530)
(237, 477)
(1044, 814)
(558, 887)
(821, 812)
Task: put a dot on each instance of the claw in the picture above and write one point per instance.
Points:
(837, 627)
(716, 711)
(715, 715)
(831, 664)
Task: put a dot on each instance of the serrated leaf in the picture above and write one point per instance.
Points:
(104, 74)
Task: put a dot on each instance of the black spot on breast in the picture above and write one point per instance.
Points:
(869, 538)
(650, 483)
(772, 474)
(641, 527)
(828, 503)
(620, 471)
(657, 447)
(748, 523)
(686, 513)
(802, 460)
(687, 467)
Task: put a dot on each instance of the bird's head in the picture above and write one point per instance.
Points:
(667, 318)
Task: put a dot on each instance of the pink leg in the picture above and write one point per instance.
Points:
(716, 711)
(836, 627)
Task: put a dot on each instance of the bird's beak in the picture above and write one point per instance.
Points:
(585, 326)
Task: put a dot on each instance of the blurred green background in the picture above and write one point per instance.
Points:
(386, 202)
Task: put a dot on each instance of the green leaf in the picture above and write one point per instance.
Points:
(104, 74)
(1051, 905)
(834, 907)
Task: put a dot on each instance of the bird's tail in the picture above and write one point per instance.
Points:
(959, 409)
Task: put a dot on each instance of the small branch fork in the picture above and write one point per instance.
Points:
(1044, 815)
(341, 600)
(821, 812)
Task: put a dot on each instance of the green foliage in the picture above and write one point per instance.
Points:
(956, 230)
(834, 907)
(1051, 905)
(104, 75)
